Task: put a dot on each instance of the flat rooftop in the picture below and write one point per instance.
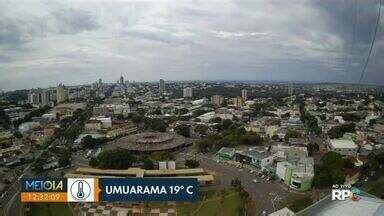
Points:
(368, 205)
(197, 173)
(343, 143)
(137, 172)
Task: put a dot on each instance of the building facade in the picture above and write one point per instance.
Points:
(217, 100)
(187, 92)
(161, 86)
(244, 94)
(297, 174)
(62, 93)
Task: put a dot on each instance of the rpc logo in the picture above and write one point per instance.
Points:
(343, 194)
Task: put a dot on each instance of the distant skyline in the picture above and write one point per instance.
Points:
(43, 43)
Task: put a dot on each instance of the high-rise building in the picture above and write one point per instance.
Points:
(40, 97)
(62, 93)
(217, 100)
(45, 97)
(238, 102)
(244, 94)
(121, 80)
(187, 92)
(161, 86)
(32, 97)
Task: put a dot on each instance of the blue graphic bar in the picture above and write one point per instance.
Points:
(148, 189)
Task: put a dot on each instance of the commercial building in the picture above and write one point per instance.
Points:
(40, 97)
(217, 100)
(67, 109)
(207, 117)
(225, 154)
(260, 158)
(343, 146)
(161, 86)
(187, 92)
(202, 177)
(238, 102)
(200, 102)
(93, 125)
(62, 94)
(121, 80)
(244, 94)
(106, 122)
(296, 173)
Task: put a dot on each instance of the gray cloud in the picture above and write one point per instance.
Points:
(19, 28)
(71, 21)
(48, 43)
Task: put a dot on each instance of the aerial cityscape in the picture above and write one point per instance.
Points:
(261, 147)
(266, 117)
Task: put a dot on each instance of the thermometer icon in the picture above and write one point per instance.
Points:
(80, 190)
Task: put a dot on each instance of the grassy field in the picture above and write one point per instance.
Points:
(212, 203)
(43, 209)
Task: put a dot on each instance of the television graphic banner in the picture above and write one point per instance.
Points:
(108, 189)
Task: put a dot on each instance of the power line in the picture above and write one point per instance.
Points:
(372, 43)
(350, 54)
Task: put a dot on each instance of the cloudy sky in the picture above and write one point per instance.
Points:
(43, 43)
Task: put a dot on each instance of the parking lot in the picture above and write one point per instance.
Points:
(267, 195)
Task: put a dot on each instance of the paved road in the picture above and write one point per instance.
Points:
(265, 194)
(11, 202)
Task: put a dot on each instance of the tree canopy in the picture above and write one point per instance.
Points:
(340, 130)
(192, 163)
(183, 130)
(330, 171)
(115, 159)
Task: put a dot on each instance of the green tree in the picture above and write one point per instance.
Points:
(351, 117)
(198, 112)
(201, 129)
(156, 124)
(148, 164)
(17, 134)
(192, 163)
(93, 162)
(182, 111)
(330, 171)
(90, 142)
(286, 115)
(275, 137)
(4, 119)
(291, 133)
(115, 159)
(157, 111)
(183, 130)
(312, 148)
(65, 158)
(340, 130)
(226, 124)
(162, 156)
(251, 138)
